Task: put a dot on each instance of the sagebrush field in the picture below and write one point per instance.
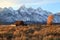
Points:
(30, 32)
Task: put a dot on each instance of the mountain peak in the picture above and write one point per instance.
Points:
(39, 9)
(24, 14)
(22, 7)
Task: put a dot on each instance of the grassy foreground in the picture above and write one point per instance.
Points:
(30, 32)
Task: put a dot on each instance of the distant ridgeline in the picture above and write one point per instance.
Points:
(25, 22)
(27, 15)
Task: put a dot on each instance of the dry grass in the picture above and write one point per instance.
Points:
(30, 32)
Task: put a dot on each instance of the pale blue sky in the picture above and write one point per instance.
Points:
(49, 5)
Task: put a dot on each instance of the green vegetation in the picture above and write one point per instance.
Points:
(50, 39)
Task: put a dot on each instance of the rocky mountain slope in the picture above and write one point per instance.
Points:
(28, 15)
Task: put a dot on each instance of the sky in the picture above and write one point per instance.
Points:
(49, 5)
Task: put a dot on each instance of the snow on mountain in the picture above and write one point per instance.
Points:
(24, 14)
(56, 18)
